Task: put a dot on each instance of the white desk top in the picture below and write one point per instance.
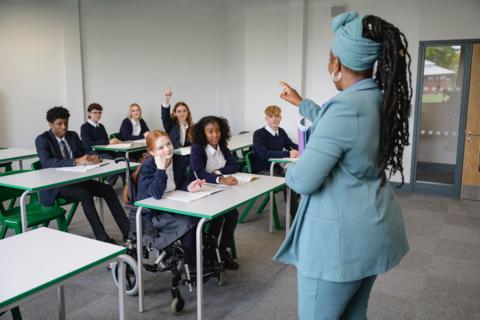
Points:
(240, 141)
(51, 177)
(135, 146)
(237, 142)
(15, 154)
(43, 257)
(218, 203)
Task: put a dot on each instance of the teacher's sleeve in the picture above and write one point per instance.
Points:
(309, 109)
(334, 134)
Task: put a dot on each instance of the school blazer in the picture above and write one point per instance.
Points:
(153, 182)
(173, 129)
(126, 130)
(48, 151)
(348, 226)
(198, 162)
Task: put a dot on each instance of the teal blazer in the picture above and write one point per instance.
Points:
(348, 226)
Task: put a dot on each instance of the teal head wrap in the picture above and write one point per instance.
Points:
(353, 50)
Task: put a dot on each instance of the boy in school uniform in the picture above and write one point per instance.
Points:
(59, 147)
(94, 133)
(272, 141)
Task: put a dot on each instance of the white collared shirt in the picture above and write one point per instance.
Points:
(95, 124)
(183, 133)
(215, 160)
(61, 148)
(136, 128)
(170, 178)
(272, 132)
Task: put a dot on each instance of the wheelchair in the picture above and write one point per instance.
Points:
(170, 259)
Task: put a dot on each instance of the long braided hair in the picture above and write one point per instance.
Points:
(394, 78)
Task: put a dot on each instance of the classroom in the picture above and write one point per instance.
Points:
(307, 159)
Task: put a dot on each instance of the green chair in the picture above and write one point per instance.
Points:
(7, 165)
(266, 199)
(60, 202)
(36, 213)
(16, 315)
(114, 135)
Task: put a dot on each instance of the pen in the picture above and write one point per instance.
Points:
(195, 173)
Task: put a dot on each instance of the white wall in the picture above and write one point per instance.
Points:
(419, 20)
(32, 68)
(132, 52)
(222, 57)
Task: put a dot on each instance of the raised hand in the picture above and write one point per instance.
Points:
(289, 94)
(167, 94)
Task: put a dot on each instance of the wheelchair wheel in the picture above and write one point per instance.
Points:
(177, 306)
(131, 275)
(221, 278)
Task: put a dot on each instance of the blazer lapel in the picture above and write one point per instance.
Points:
(54, 145)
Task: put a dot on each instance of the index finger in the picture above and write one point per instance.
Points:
(284, 85)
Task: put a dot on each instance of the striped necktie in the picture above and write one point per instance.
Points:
(66, 154)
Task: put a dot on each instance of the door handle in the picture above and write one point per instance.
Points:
(469, 135)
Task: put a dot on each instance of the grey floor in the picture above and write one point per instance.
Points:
(438, 279)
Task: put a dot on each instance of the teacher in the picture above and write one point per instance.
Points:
(349, 226)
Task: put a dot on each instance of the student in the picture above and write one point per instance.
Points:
(59, 147)
(134, 127)
(272, 141)
(210, 159)
(178, 123)
(93, 133)
(161, 172)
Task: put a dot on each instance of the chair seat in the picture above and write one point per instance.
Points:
(36, 214)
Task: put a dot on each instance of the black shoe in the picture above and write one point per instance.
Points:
(228, 261)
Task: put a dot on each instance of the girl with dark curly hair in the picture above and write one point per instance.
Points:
(210, 159)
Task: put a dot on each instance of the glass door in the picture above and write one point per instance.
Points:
(439, 118)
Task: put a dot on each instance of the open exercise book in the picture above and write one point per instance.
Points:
(82, 168)
(186, 196)
(119, 146)
(183, 151)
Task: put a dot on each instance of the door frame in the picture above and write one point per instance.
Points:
(440, 189)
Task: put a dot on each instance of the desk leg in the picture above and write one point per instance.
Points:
(126, 155)
(20, 164)
(287, 210)
(139, 258)
(121, 289)
(200, 225)
(23, 210)
(61, 303)
(272, 165)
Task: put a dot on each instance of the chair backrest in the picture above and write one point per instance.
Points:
(249, 160)
(7, 193)
(114, 135)
(36, 165)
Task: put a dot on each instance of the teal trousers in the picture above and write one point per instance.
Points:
(325, 300)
